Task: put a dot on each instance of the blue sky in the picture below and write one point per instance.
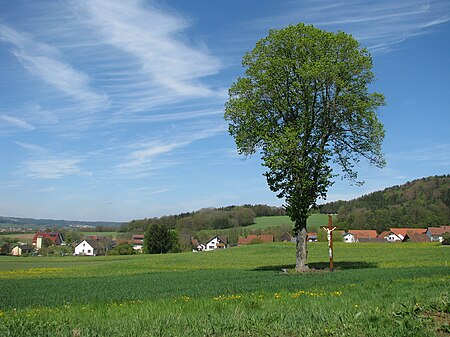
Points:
(113, 110)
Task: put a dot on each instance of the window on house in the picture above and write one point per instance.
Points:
(89, 251)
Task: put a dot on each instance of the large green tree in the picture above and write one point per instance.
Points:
(304, 104)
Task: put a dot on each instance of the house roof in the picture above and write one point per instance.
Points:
(286, 237)
(266, 238)
(404, 231)
(222, 239)
(418, 238)
(384, 234)
(138, 239)
(54, 237)
(364, 233)
(93, 243)
(438, 230)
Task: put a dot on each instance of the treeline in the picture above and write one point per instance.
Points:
(420, 203)
(206, 218)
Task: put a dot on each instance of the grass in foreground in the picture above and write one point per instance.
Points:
(378, 290)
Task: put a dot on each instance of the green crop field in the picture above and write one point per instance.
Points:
(377, 289)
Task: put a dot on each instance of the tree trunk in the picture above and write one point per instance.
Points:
(302, 252)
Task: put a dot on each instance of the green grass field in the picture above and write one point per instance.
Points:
(376, 290)
(315, 221)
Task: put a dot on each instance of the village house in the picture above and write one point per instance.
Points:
(217, 242)
(400, 234)
(54, 239)
(88, 247)
(312, 237)
(21, 249)
(417, 238)
(436, 234)
(138, 242)
(384, 235)
(360, 235)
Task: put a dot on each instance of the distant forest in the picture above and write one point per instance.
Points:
(206, 218)
(420, 203)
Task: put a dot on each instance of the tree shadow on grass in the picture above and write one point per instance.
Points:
(322, 266)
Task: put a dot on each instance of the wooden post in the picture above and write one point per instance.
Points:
(329, 229)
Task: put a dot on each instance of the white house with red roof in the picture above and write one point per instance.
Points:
(354, 235)
(54, 238)
(402, 233)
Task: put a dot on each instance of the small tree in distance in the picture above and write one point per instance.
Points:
(304, 103)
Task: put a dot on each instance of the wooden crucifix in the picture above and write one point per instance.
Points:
(329, 229)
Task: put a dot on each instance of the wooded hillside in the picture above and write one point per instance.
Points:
(419, 203)
(206, 218)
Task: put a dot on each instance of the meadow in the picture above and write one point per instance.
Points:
(314, 222)
(377, 289)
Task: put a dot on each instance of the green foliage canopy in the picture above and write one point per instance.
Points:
(303, 103)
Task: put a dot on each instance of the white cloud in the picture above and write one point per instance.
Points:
(17, 122)
(380, 25)
(32, 147)
(51, 168)
(146, 155)
(153, 38)
(44, 61)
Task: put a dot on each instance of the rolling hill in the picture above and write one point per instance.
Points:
(420, 203)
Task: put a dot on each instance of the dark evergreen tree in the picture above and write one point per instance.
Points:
(158, 239)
